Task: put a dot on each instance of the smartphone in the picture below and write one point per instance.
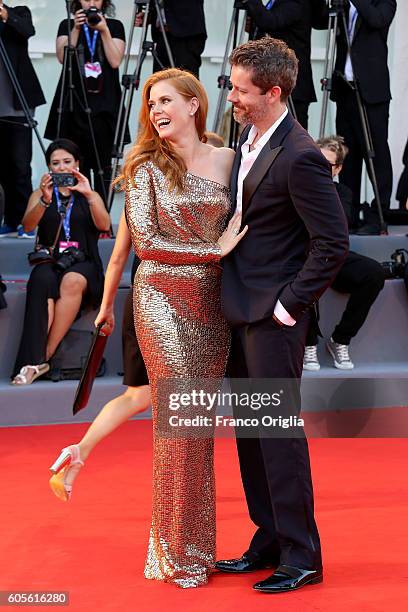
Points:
(63, 179)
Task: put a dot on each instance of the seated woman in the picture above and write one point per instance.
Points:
(55, 293)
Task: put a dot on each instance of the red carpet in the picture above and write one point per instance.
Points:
(94, 547)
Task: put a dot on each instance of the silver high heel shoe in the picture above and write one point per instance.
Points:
(69, 462)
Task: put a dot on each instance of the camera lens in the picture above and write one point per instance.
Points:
(92, 16)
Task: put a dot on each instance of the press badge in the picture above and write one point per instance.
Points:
(65, 244)
(93, 70)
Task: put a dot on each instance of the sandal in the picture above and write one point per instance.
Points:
(65, 469)
(22, 377)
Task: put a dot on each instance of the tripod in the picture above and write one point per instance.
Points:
(31, 122)
(69, 93)
(337, 11)
(235, 37)
(131, 82)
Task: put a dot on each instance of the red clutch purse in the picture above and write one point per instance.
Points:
(93, 361)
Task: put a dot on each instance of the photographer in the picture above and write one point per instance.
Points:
(69, 217)
(368, 22)
(100, 42)
(362, 277)
(185, 30)
(292, 22)
(16, 27)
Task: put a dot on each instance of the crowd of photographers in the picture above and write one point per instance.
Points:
(83, 118)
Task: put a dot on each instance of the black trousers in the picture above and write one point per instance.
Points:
(15, 168)
(348, 125)
(276, 471)
(363, 278)
(186, 52)
(302, 112)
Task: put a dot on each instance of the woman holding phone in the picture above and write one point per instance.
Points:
(71, 217)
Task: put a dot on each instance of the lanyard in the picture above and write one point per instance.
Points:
(352, 21)
(66, 218)
(91, 43)
(270, 5)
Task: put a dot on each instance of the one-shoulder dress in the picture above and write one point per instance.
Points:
(182, 335)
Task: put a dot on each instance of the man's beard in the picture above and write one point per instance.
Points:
(248, 116)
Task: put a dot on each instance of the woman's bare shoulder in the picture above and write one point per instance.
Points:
(223, 156)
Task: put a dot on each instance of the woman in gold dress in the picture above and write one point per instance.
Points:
(177, 207)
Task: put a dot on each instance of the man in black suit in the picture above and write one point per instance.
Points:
(296, 242)
(368, 22)
(292, 22)
(16, 27)
(186, 34)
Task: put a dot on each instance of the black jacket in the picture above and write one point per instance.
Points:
(297, 237)
(15, 34)
(369, 50)
(292, 22)
(183, 18)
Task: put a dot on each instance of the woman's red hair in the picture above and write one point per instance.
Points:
(149, 146)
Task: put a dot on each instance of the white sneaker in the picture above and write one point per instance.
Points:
(310, 359)
(340, 354)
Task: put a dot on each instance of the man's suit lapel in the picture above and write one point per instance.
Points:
(264, 160)
(359, 21)
(236, 166)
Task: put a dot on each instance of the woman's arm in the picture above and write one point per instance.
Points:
(38, 202)
(100, 215)
(114, 48)
(151, 244)
(62, 40)
(113, 275)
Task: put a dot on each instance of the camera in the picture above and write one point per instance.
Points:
(63, 179)
(69, 257)
(92, 16)
(396, 267)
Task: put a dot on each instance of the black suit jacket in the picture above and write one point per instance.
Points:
(291, 21)
(183, 17)
(297, 237)
(369, 50)
(15, 34)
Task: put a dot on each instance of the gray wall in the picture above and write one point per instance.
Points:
(48, 13)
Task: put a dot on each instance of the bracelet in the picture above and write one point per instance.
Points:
(42, 203)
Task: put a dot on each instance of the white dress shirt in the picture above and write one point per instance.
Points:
(348, 69)
(248, 157)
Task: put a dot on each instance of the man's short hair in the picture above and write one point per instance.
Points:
(336, 145)
(271, 63)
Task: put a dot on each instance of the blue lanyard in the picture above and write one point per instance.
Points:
(270, 5)
(66, 219)
(91, 43)
(352, 21)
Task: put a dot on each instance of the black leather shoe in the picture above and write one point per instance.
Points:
(288, 578)
(244, 564)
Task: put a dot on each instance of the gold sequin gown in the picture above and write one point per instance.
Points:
(182, 335)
